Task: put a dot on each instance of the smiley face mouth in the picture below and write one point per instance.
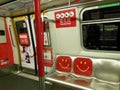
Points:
(64, 67)
(82, 69)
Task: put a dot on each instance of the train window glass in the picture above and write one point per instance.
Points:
(46, 25)
(102, 36)
(2, 32)
(22, 31)
(46, 32)
(104, 13)
(21, 27)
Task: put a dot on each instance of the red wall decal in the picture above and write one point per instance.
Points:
(6, 51)
(83, 66)
(65, 18)
(64, 63)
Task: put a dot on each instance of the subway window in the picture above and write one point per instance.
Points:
(21, 26)
(22, 31)
(46, 32)
(104, 13)
(101, 34)
(2, 32)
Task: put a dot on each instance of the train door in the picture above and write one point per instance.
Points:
(48, 57)
(26, 44)
(16, 66)
(6, 49)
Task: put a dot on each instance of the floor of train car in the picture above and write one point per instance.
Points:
(15, 82)
(9, 81)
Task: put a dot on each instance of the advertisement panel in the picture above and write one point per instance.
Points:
(65, 18)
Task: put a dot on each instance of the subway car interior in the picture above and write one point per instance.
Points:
(59, 44)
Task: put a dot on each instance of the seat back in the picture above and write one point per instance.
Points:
(64, 64)
(82, 66)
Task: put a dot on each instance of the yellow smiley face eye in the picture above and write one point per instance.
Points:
(81, 62)
(85, 63)
(62, 60)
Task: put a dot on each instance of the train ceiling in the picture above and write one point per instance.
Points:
(20, 7)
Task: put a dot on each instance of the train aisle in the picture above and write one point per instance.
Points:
(17, 82)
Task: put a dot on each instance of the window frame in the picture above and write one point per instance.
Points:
(97, 21)
(27, 33)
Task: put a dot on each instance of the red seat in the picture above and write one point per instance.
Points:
(64, 64)
(83, 66)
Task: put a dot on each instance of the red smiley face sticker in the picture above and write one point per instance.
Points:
(83, 66)
(64, 63)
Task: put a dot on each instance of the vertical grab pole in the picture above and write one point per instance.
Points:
(39, 41)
